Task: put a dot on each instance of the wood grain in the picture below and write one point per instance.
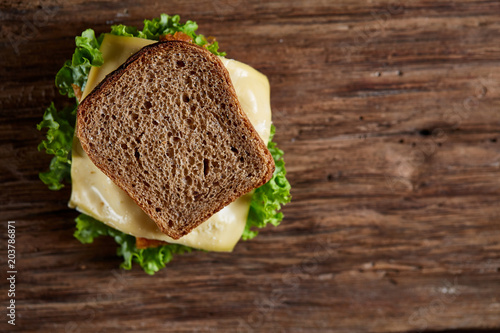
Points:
(389, 114)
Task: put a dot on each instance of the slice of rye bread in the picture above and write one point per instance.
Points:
(167, 128)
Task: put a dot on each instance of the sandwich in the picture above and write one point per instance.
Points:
(168, 146)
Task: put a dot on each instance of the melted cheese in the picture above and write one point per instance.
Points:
(94, 194)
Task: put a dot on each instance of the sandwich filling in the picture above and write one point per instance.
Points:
(94, 194)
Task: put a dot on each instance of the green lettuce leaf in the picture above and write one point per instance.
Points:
(76, 70)
(151, 259)
(59, 139)
(268, 199)
(166, 25)
(123, 30)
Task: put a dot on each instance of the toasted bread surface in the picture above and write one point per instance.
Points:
(168, 129)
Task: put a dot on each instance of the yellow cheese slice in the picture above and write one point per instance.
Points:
(94, 194)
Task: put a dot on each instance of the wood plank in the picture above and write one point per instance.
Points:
(388, 113)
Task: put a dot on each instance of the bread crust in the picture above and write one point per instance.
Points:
(85, 132)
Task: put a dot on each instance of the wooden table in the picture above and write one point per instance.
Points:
(389, 114)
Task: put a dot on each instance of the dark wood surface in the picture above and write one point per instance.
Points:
(389, 114)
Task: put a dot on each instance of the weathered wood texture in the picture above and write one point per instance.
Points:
(389, 114)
